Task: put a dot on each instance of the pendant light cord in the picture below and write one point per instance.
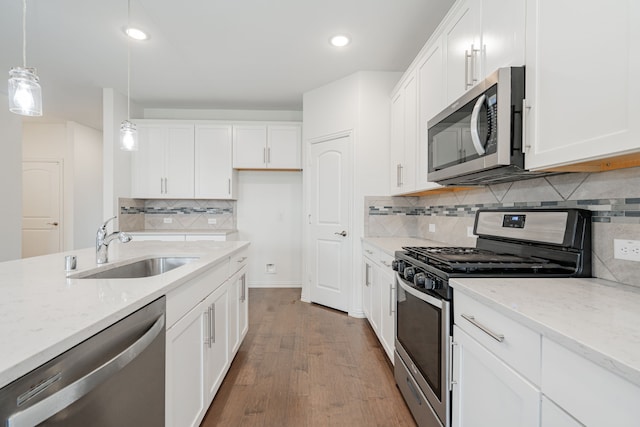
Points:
(128, 61)
(24, 33)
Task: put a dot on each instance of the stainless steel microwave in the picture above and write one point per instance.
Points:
(477, 140)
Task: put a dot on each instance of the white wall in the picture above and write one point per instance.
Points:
(87, 183)
(269, 214)
(116, 163)
(11, 178)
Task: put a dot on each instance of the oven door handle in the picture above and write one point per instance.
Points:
(436, 302)
(475, 136)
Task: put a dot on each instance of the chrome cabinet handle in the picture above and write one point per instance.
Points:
(474, 322)
(470, 67)
(242, 259)
(229, 186)
(55, 223)
(367, 275)
(343, 233)
(526, 146)
(243, 295)
(73, 392)
(269, 155)
(391, 289)
(207, 327)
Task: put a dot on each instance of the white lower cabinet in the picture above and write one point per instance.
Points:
(554, 416)
(486, 391)
(206, 323)
(378, 293)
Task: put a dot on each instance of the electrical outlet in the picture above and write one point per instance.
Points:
(432, 228)
(271, 269)
(470, 232)
(211, 220)
(168, 220)
(626, 249)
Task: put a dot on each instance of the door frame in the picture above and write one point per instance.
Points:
(62, 239)
(307, 183)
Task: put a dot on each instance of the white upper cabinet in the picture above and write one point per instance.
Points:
(582, 85)
(404, 127)
(267, 146)
(462, 49)
(480, 37)
(431, 99)
(214, 174)
(163, 166)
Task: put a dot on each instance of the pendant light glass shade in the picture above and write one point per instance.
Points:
(128, 136)
(25, 94)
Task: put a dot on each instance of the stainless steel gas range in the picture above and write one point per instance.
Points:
(511, 243)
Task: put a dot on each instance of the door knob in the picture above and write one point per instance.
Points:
(55, 224)
(343, 233)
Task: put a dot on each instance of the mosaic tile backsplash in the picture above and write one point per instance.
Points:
(137, 214)
(613, 197)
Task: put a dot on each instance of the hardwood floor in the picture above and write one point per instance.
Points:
(306, 365)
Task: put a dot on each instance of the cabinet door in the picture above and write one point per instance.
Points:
(582, 85)
(503, 26)
(185, 370)
(250, 147)
(217, 350)
(486, 392)
(243, 308)
(396, 147)
(214, 174)
(284, 143)
(366, 288)
(431, 100)
(462, 49)
(234, 308)
(388, 318)
(553, 416)
(148, 163)
(410, 123)
(179, 158)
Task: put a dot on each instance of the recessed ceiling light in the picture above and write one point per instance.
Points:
(136, 33)
(339, 40)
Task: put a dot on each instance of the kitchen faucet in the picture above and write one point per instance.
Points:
(103, 240)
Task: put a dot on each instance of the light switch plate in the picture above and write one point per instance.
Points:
(211, 220)
(168, 220)
(432, 228)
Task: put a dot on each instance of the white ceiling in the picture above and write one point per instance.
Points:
(210, 54)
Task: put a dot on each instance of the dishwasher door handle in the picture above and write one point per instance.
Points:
(55, 403)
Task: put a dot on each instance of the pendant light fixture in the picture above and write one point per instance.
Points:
(25, 94)
(128, 130)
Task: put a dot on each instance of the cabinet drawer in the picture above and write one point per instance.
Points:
(238, 261)
(520, 346)
(370, 251)
(182, 299)
(590, 393)
(384, 259)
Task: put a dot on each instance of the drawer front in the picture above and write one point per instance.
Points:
(590, 393)
(385, 259)
(182, 299)
(515, 344)
(370, 252)
(238, 261)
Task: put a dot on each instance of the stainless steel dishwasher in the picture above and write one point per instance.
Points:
(114, 378)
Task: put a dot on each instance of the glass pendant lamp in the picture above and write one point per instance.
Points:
(25, 94)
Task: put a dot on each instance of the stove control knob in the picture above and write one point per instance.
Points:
(409, 272)
(429, 283)
(420, 280)
(394, 264)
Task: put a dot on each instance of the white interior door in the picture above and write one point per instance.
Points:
(41, 208)
(330, 197)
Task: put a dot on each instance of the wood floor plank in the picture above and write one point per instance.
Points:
(306, 365)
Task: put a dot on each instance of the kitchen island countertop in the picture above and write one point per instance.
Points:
(44, 313)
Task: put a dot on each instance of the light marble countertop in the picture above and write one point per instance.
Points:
(598, 319)
(44, 313)
(390, 245)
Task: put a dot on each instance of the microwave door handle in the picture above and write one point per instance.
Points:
(475, 137)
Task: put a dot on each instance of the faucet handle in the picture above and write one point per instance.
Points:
(104, 226)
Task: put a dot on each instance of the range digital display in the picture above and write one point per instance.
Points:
(513, 221)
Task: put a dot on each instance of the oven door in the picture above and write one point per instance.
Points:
(423, 333)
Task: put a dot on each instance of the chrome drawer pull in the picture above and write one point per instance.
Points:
(473, 321)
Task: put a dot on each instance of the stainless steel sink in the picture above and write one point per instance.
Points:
(143, 268)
